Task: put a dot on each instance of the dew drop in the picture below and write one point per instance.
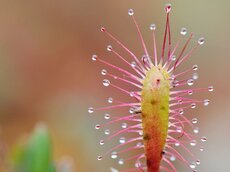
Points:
(110, 100)
(206, 102)
(168, 8)
(107, 132)
(139, 144)
(179, 129)
(201, 41)
(177, 144)
(107, 116)
(192, 165)
(201, 149)
(131, 110)
(190, 82)
(99, 157)
(122, 140)
(144, 58)
(133, 64)
(103, 29)
(141, 133)
(193, 142)
(113, 169)
(195, 67)
(183, 31)
(172, 158)
(210, 88)
(131, 12)
(203, 139)
(194, 120)
(114, 155)
(181, 111)
(195, 76)
(90, 110)
(109, 48)
(193, 105)
(196, 130)
(97, 126)
(103, 72)
(106, 82)
(152, 27)
(173, 58)
(124, 125)
(94, 57)
(120, 161)
(102, 142)
(131, 94)
(198, 162)
(190, 92)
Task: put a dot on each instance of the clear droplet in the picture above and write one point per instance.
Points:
(113, 169)
(139, 144)
(152, 27)
(192, 165)
(120, 161)
(103, 29)
(168, 8)
(195, 76)
(172, 158)
(131, 110)
(190, 92)
(131, 12)
(193, 105)
(122, 140)
(90, 110)
(110, 100)
(124, 125)
(193, 142)
(99, 157)
(179, 129)
(173, 58)
(190, 82)
(109, 48)
(196, 130)
(133, 64)
(203, 139)
(114, 155)
(198, 162)
(141, 133)
(107, 132)
(94, 57)
(132, 94)
(201, 41)
(102, 142)
(183, 31)
(210, 88)
(195, 67)
(194, 120)
(144, 58)
(201, 149)
(177, 144)
(103, 72)
(106, 82)
(107, 116)
(181, 111)
(206, 102)
(97, 126)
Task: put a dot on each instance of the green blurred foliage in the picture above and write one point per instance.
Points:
(36, 154)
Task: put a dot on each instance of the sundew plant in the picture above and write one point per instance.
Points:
(153, 131)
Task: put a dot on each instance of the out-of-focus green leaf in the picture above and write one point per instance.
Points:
(36, 154)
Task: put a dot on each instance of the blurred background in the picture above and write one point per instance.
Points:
(46, 71)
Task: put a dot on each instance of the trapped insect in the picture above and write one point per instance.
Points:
(154, 125)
